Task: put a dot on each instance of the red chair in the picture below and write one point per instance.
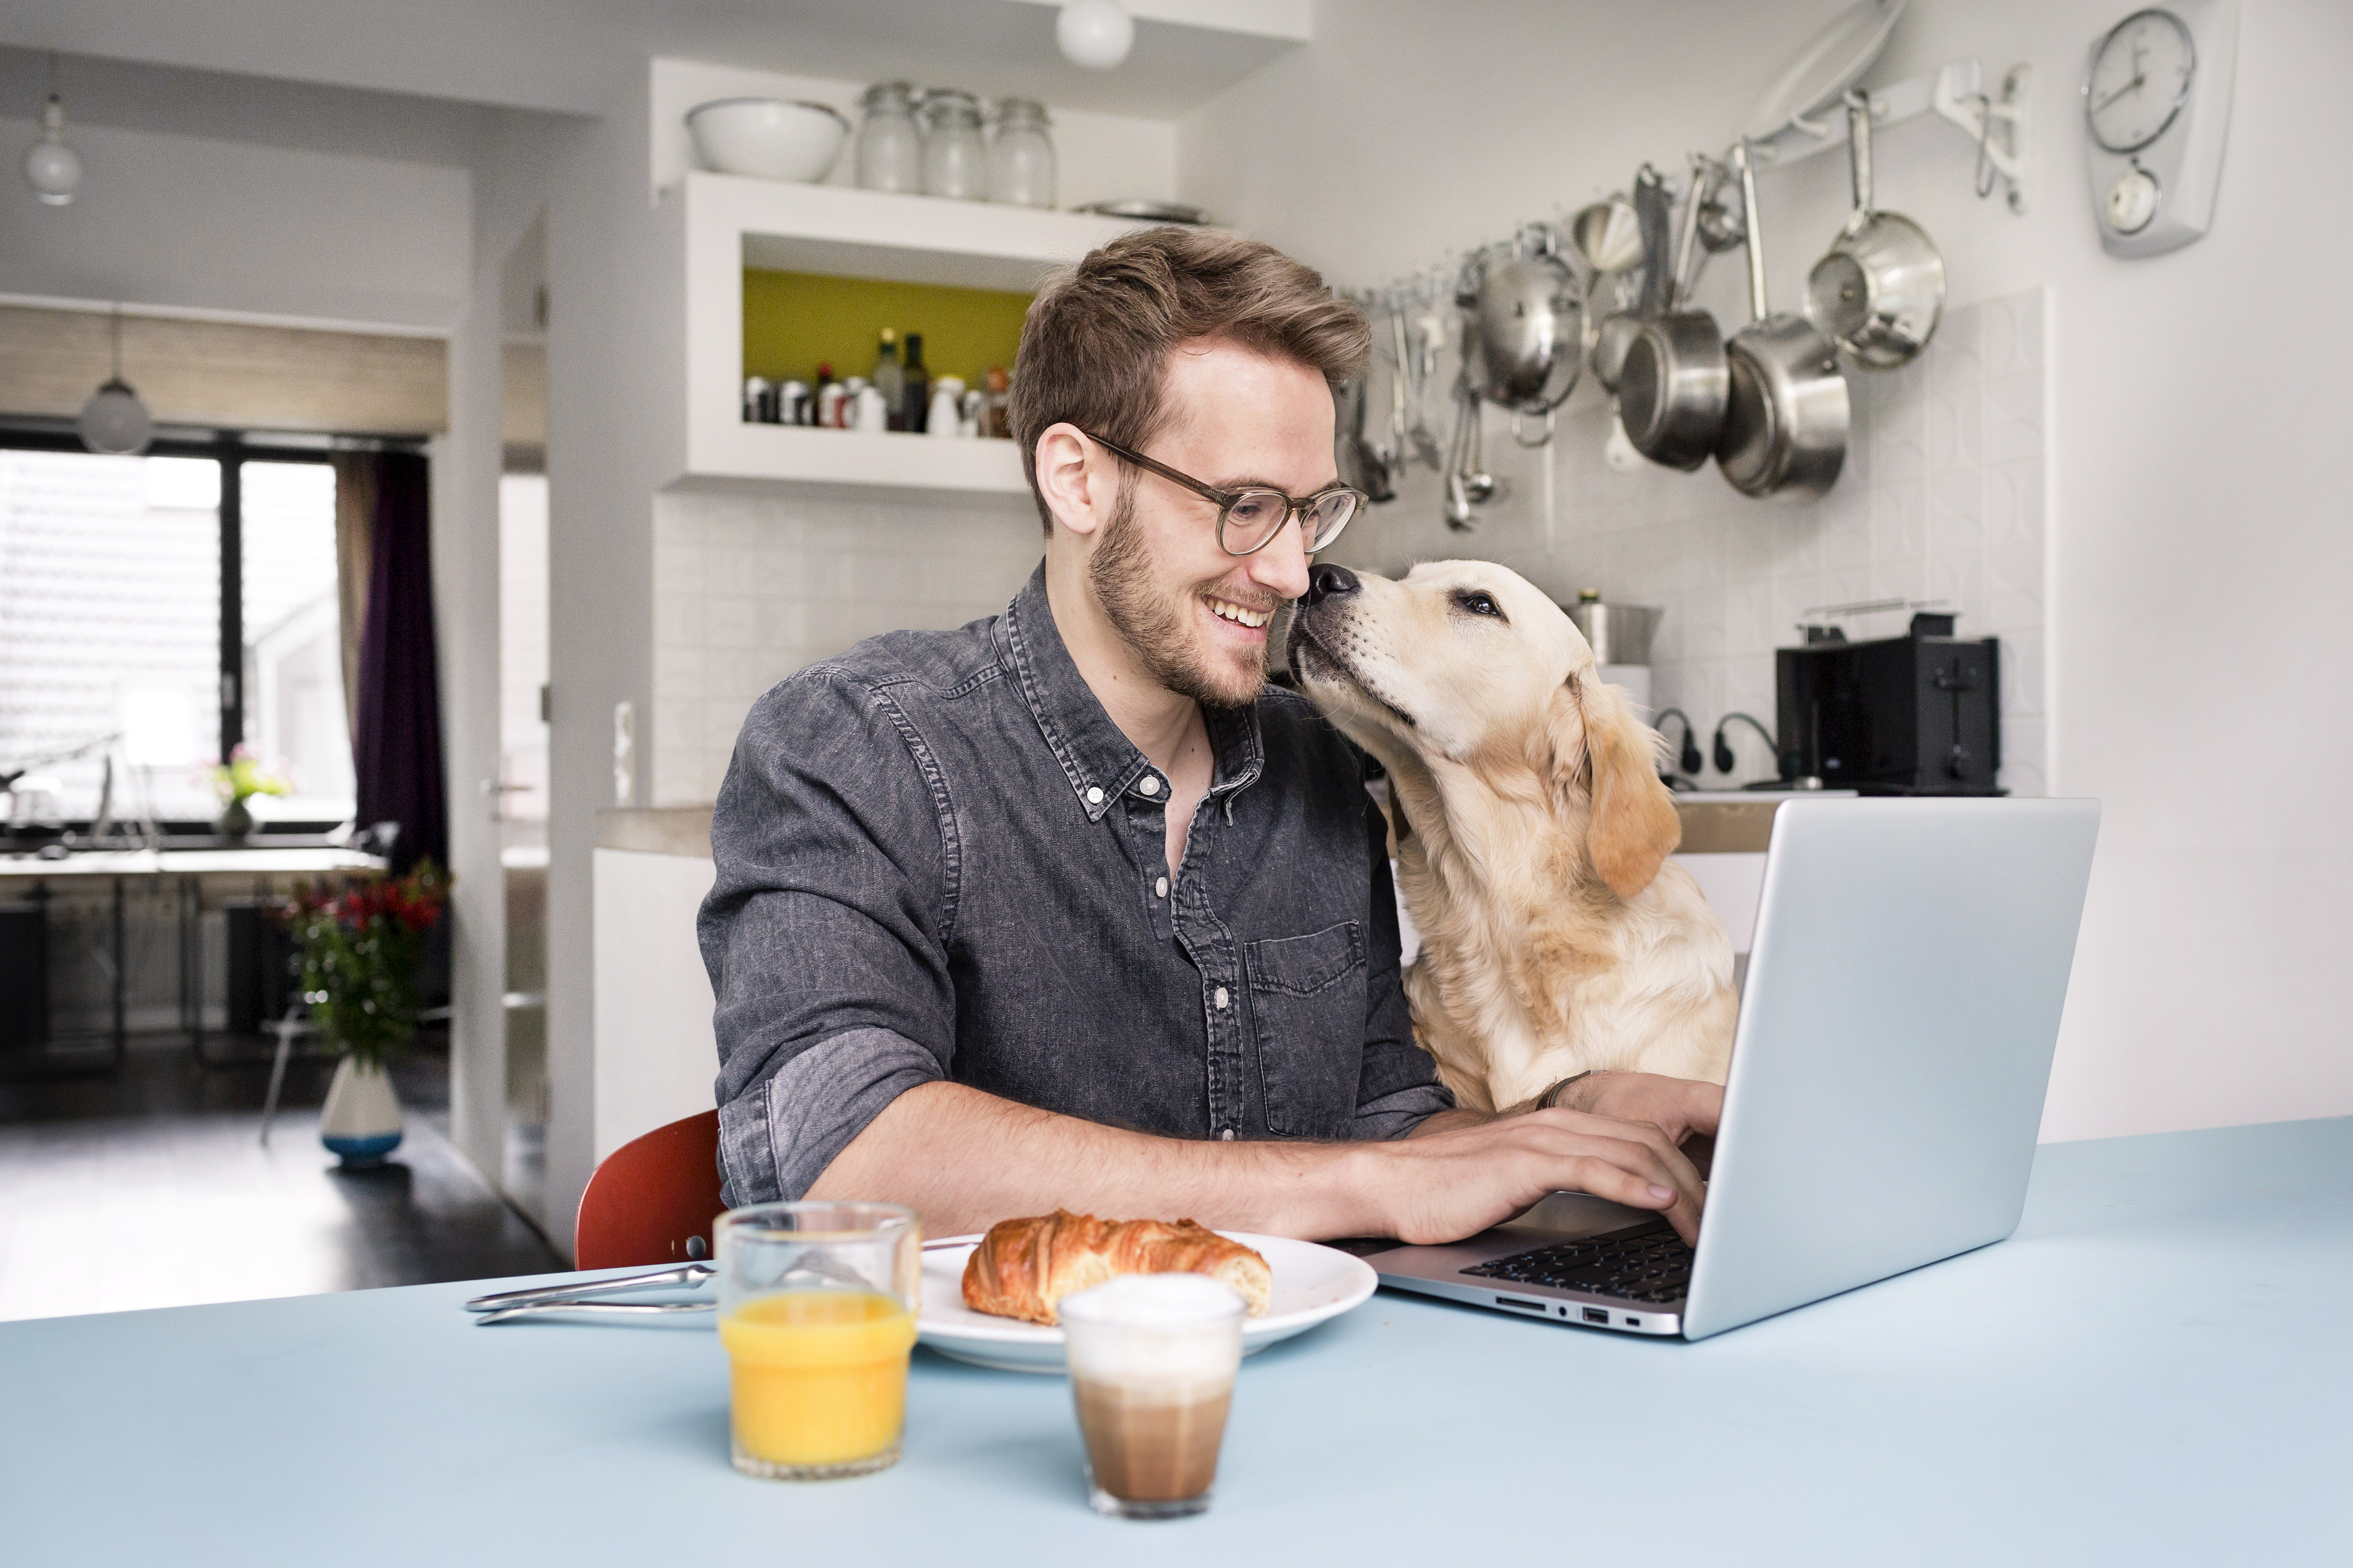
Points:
(653, 1199)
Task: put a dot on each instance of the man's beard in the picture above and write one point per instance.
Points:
(1160, 628)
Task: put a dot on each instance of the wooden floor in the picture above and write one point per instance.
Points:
(151, 1189)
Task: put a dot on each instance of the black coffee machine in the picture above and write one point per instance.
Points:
(1918, 714)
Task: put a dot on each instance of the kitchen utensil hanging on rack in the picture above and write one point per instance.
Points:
(1880, 291)
(1720, 227)
(1524, 342)
(1608, 235)
(1787, 414)
(1653, 214)
(1672, 388)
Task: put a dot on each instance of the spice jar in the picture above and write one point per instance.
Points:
(890, 142)
(1021, 157)
(956, 161)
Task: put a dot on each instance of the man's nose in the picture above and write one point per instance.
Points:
(1324, 581)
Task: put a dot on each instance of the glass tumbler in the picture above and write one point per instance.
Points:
(817, 1311)
(1021, 157)
(1153, 1358)
(890, 142)
(955, 160)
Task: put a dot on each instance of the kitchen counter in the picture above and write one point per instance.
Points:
(656, 830)
(2151, 1371)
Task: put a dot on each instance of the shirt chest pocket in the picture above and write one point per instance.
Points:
(1307, 1026)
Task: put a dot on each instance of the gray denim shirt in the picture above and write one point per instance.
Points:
(939, 859)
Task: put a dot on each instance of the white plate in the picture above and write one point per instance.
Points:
(1312, 1283)
(1830, 61)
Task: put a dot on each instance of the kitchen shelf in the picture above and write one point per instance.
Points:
(733, 223)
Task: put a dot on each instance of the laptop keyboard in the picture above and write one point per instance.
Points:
(1647, 1263)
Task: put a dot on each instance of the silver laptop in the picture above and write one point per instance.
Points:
(1903, 998)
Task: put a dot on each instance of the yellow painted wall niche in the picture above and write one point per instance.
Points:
(794, 320)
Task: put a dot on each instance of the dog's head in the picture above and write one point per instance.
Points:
(1469, 669)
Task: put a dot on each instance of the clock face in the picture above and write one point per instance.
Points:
(2139, 80)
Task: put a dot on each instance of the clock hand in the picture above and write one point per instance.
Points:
(2133, 86)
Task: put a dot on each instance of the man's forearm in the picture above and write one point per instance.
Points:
(964, 1160)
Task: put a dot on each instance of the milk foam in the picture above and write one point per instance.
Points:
(1153, 1329)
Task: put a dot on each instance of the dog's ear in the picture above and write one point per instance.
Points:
(1631, 825)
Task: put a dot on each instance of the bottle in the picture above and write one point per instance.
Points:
(890, 143)
(995, 422)
(955, 160)
(915, 388)
(968, 414)
(1021, 157)
(891, 381)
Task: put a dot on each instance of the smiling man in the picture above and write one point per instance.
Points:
(1070, 906)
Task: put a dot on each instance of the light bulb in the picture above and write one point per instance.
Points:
(115, 422)
(52, 168)
(1096, 34)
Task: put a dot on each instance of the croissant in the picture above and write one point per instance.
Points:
(1023, 1266)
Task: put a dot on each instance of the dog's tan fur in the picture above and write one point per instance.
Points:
(1531, 836)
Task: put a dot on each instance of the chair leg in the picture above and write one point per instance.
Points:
(285, 1027)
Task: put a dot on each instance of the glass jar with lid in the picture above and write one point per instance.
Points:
(890, 142)
(955, 160)
(1021, 155)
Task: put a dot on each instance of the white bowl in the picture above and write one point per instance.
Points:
(769, 137)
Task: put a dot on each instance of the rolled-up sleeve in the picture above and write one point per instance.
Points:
(822, 931)
(1398, 1086)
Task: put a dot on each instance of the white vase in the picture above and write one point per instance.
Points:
(361, 1119)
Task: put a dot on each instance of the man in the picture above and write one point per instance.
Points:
(1068, 906)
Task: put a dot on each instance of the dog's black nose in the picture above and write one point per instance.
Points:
(1325, 582)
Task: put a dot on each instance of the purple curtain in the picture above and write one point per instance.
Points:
(396, 740)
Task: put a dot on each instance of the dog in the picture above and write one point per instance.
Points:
(1531, 831)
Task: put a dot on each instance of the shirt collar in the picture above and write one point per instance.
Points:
(1100, 762)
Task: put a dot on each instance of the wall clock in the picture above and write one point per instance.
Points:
(2156, 102)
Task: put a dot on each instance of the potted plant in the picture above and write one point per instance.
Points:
(239, 780)
(358, 948)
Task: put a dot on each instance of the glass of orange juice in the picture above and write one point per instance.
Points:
(816, 1308)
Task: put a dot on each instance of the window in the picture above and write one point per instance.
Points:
(115, 574)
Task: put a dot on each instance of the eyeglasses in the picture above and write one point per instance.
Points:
(1248, 518)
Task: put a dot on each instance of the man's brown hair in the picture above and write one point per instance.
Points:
(1099, 333)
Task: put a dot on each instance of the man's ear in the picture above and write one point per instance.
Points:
(1631, 825)
(1068, 480)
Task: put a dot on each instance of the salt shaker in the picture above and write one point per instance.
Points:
(872, 410)
(947, 404)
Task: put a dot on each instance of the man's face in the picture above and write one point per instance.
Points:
(1196, 616)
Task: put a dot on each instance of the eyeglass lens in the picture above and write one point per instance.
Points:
(1256, 515)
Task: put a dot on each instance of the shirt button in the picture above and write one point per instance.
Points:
(1149, 784)
(1221, 998)
(1160, 889)
(1227, 1135)
(1094, 795)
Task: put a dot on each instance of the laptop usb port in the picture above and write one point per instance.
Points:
(1529, 1306)
(1597, 1314)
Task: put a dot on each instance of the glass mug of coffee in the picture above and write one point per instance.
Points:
(817, 1311)
(1153, 1358)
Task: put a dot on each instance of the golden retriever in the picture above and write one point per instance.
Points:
(1531, 830)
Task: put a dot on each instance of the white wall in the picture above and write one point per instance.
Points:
(2198, 547)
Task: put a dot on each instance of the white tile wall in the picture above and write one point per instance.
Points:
(1942, 496)
(751, 585)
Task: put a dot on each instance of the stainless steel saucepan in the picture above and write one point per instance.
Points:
(1786, 417)
(1881, 289)
(1616, 334)
(1672, 388)
(1524, 344)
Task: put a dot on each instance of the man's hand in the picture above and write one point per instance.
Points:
(1678, 1107)
(1445, 1184)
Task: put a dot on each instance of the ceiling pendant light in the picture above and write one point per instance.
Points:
(1096, 34)
(52, 168)
(114, 421)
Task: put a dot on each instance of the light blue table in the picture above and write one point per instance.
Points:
(2157, 1369)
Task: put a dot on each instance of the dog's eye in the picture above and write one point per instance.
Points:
(1478, 604)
